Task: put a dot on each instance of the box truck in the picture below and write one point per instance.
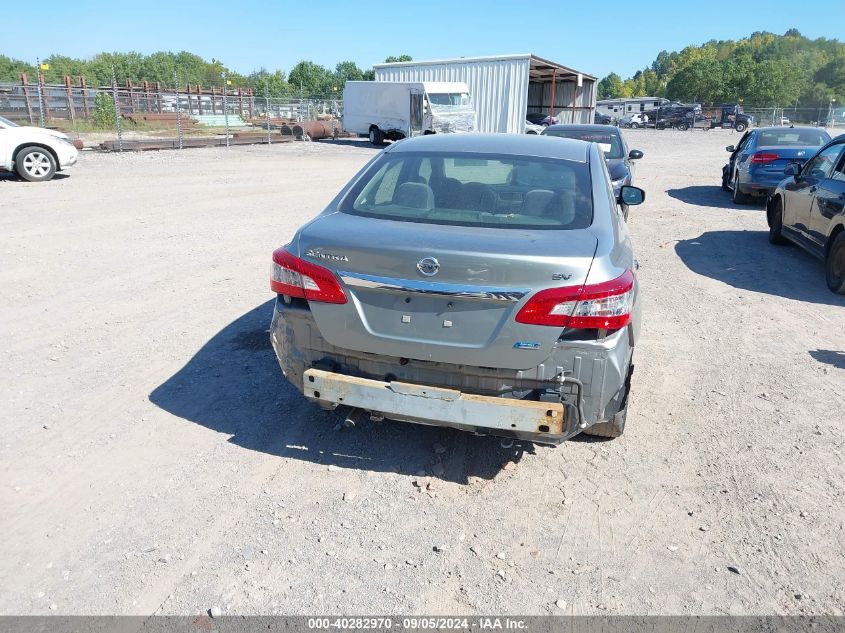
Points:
(394, 110)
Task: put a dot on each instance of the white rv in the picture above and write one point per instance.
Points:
(398, 109)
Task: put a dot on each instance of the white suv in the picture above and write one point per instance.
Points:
(35, 153)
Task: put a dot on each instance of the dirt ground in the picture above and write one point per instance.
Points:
(154, 460)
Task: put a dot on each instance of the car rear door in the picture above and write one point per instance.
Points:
(801, 192)
(737, 157)
(829, 201)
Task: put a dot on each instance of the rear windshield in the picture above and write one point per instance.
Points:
(791, 136)
(609, 143)
(466, 189)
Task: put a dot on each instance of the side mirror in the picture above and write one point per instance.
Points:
(730, 148)
(792, 169)
(631, 195)
(635, 154)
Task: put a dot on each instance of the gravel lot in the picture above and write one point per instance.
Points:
(154, 460)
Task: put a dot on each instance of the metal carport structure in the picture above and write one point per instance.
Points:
(505, 88)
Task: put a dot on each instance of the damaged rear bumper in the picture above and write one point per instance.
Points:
(420, 404)
(482, 400)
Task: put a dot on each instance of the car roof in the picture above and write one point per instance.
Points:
(584, 127)
(509, 144)
(777, 128)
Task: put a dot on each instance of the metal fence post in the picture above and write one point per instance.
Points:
(225, 110)
(267, 111)
(178, 109)
(40, 94)
(116, 110)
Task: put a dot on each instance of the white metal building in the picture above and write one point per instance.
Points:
(505, 88)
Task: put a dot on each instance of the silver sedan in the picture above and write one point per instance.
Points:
(481, 282)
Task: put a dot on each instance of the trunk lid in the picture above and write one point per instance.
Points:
(786, 155)
(463, 311)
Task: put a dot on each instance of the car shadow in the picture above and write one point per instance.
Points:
(712, 196)
(233, 385)
(10, 176)
(829, 357)
(745, 259)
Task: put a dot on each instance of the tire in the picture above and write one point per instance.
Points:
(738, 196)
(35, 164)
(634, 126)
(725, 181)
(376, 137)
(610, 429)
(740, 127)
(834, 265)
(683, 127)
(776, 223)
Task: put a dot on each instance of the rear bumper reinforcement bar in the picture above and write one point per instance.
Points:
(540, 421)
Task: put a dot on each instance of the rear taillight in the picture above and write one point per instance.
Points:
(296, 277)
(764, 157)
(604, 306)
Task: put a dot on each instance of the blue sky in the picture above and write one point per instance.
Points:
(595, 37)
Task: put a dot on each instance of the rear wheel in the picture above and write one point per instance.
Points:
(634, 126)
(776, 223)
(834, 266)
(738, 196)
(740, 127)
(612, 428)
(35, 164)
(376, 137)
(683, 127)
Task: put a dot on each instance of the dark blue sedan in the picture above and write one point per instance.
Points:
(757, 162)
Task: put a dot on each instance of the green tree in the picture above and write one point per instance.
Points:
(310, 80)
(11, 69)
(611, 87)
(402, 58)
(104, 114)
(701, 80)
(272, 84)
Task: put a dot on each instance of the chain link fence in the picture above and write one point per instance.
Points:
(119, 116)
(815, 116)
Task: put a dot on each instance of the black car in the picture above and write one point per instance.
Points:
(603, 119)
(808, 209)
(536, 117)
(620, 161)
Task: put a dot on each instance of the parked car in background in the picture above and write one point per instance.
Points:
(808, 208)
(757, 162)
(604, 119)
(535, 118)
(782, 121)
(481, 282)
(634, 120)
(35, 153)
(531, 128)
(620, 161)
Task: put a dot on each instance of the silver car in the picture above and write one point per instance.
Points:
(481, 282)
